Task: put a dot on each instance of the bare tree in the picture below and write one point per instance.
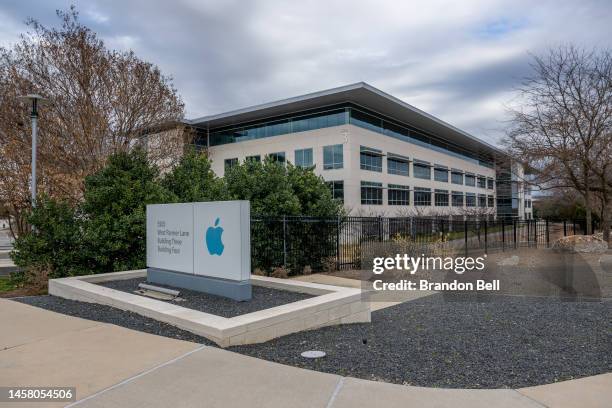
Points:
(100, 100)
(477, 213)
(562, 128)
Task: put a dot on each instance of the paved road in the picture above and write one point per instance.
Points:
(6, 264)
(116, 367)
(5, 239)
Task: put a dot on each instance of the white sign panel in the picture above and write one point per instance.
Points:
(222, 237)
(170, 237)
(206, 239)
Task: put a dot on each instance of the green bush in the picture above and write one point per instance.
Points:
(193, 180)
(115, 208)
(275, 189)
(55, 242)
(105, 233)
(265, 185)
(313, 194)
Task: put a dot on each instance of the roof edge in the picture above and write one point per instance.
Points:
(344, 88)
(281, 102)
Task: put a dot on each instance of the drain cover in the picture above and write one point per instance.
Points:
(313, 354)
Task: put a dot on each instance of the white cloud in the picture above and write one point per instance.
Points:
(456, 60)
(96, 16)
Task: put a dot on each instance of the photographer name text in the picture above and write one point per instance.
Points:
(423, 284)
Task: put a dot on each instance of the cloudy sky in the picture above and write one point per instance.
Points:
(458, 60)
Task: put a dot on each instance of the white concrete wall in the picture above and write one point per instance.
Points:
(523, 195)
(352, 137)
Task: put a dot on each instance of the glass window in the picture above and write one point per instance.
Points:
(470, 200)
(422, 196)
(482, 200)
(398, 166)
(337, 189)
(298, 123)
(253, 159)
(373, 122)
(398, 194)
(336, 116)
(470, 180)
(482, 182)
(490, 184)
(371, 193)
(316, 121)
(303, 158)
(457, 199)
(370, 159)
(441, 174)
(229, 163)
(441, 198)
(332, 157)
(422, 171)
(278, 157)
(491, 201)
(457, 178)
(366, 121)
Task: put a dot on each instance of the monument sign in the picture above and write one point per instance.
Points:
(201, 246)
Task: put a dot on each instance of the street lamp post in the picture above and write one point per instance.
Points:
(37, 101)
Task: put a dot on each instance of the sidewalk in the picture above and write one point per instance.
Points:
(42, 348)
(6, 245)
(6, 241)
(116, 367)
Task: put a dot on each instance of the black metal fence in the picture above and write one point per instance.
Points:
(338, 243)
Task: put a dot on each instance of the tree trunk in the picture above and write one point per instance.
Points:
(605, 221)
(587, 205)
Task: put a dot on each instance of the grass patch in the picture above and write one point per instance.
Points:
(9, 289)
(6, 285)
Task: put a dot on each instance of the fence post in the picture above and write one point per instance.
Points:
(380, 229)
(574, 225)
(503, 235)
(465, 234)
(285, 241)
(486, 233)
(338, 243)
(515, 243)
(564, 228)
(547, 235)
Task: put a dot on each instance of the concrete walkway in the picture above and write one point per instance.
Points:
(42, 348)
(117, 367)
(6, 264)
(6, 241)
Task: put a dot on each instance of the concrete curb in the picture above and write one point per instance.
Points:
(331, 305)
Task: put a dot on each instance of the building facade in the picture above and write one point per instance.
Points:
(379, 155)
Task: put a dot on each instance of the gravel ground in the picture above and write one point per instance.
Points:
(263, 298)
(107, 314)
(437, 341)
(506, 342)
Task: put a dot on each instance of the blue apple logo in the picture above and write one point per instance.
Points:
(213, 239)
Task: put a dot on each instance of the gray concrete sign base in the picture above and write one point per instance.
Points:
(237, 290)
